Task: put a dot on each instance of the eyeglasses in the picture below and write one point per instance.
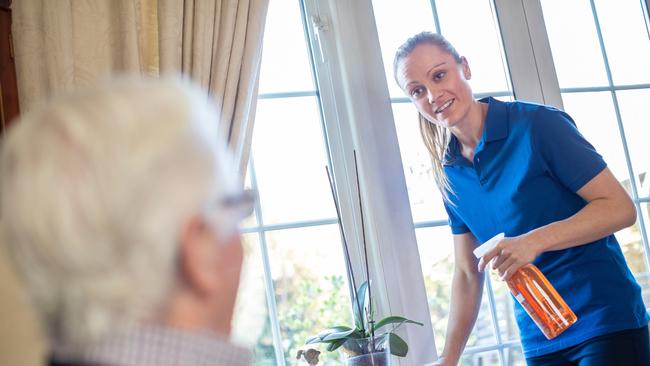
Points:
(241, 204)
(226, 213)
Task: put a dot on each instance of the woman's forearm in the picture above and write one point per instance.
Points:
(466, 292)
(599, 218)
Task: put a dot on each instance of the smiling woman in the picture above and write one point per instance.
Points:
(524, 169)
(436, 79)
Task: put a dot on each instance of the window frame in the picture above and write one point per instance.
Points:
(357, 117)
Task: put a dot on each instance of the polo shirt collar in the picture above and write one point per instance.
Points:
(495, 128)
(496, 120)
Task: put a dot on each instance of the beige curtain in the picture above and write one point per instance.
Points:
(63, 44)
(219, 45)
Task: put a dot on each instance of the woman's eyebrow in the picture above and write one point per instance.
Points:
(431, 70)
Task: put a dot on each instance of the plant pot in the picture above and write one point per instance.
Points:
(365, 352)
(371, 359)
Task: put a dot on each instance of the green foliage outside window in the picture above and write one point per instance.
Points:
(306, 304)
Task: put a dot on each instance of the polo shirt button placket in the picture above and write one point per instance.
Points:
(477, 167)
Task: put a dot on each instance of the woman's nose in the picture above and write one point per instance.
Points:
(432, 95)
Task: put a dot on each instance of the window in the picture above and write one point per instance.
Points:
(602, 62)
(327, 89)
(295, 283)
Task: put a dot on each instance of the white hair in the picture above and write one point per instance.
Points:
(94, 189)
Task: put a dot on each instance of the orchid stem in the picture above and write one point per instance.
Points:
(355, 298)
(365, 253)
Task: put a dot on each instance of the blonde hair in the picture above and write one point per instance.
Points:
(94, 188)
(435, 138)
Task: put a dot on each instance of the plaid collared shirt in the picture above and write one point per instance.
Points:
(158, 346)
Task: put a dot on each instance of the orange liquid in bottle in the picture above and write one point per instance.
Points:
(541, 301)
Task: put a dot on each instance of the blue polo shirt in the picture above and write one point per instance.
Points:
(527, 168)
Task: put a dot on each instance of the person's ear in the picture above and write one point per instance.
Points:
(467, 72)
(197, 256)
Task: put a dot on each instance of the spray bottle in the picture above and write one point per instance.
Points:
(536, 295)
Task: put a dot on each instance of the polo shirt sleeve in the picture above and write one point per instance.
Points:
(565, 153)
(455, 222)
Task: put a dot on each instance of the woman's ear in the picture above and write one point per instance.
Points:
(197, 256)
(467, 72)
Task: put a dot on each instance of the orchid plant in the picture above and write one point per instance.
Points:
(362, 305)
(364, 327)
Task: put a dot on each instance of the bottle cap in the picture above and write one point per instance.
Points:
(488, 245)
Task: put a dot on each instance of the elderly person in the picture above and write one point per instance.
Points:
(119, 211)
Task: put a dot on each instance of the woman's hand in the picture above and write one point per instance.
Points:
(508, 255)
(443, 361)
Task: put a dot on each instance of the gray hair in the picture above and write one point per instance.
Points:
(435, 138)
(94, 188)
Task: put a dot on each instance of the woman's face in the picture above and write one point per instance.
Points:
(436, 84)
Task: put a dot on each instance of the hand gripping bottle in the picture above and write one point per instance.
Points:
(536, 295)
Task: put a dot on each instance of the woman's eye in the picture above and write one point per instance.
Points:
(416, 92)
(439, 75)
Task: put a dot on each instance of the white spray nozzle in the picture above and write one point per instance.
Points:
(488, 245)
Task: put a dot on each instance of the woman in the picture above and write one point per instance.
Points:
(524, 169)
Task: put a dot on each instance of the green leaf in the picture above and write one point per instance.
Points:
(397, 345)
(363, 290)
(338, 335)
(320, 336)
(336, 328)
(394, 319)
(312, 339)
(361, 298)
(335, 345)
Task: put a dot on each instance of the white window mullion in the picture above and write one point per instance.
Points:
(645, 7)
(358, 116)
(527, 49)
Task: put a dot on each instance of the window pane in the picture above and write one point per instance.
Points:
(574, 43)
(514, 357)
(425, 199)
(634, 105)
(436, 248)
(251, 323)
(310, 286)
(285, 60)
(480, 43)
(490, 358)
(505, 309)
(626, 40)
(599, 126)
(290, 160)
(397, 21)
(632, 246)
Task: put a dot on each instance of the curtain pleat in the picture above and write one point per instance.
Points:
(64, 44)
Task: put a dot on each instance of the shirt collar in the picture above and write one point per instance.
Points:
(495, 128)
(496, 120)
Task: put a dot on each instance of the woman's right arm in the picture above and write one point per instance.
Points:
(466, 293)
